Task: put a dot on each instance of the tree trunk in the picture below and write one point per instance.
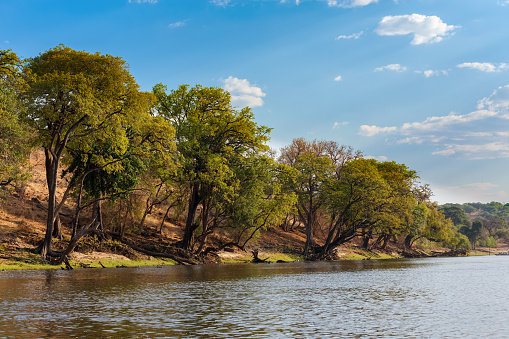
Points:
(51, 165)
(205, 226)
(408, 241)
(97, 216)
(79, 234)
(194, 201)
(164, 219)
(148, 210)
(386, 239)
(332, 231)
(57, 228)
(367, 236)
(309, 226)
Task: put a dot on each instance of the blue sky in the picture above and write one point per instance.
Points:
(421, 82)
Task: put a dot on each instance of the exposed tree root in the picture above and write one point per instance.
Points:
(180, 260)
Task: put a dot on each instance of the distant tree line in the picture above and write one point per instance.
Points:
(483, 224)
(189, 150)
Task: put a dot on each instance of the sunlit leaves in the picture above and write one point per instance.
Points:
(15, 137)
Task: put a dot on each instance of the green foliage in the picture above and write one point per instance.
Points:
(78, 99)
(488, 242)
(15, 137)
(317, 166)
(9, 63)
(457, 215)
(460, 241)
(259, 199)
(369, 197)
(212, 139)
(502, 234)
(82, 105)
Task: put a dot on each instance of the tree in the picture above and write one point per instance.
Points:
(259, 200)
(473, 233)
(369, 197)
(457, 215)
(210, 134)
(493, 224)
(74, 97)
(9, 63)
(316, 164)
(395, 212)
(15, 137)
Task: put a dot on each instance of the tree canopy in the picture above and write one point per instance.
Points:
(212, 137)
(15, 136)
(76, 99)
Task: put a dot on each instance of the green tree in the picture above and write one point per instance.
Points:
(74, 97)
(210, 134)
(396, 211)
(430, 223)
(457, 215)
(368, 197)
(316, 164)
(473, 233)
(15, 137)
(259, 200)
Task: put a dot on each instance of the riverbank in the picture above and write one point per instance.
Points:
(25, 259)
(22, 227)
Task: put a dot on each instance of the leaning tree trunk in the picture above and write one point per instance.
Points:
(408, 241)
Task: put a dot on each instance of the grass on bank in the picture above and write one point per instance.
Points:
(272, 257)
(31, 261)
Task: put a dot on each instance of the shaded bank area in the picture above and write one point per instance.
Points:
(22, 229)
(274, 245)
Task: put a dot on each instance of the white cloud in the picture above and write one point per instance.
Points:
(338, 78)
(392, 67)
(434, 139)
(499, 99)
(222, 3)
(491, 150)
(483, 66)
(351, 36)
(338, 124)
(480, 134)
(428, 73)
(350, 3)
(504, 3)
(143, 1)
(243, 93)
(177, 24)
(370, 131)
(425, 29)
(438, 122)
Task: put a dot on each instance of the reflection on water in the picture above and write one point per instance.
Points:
(419, 298)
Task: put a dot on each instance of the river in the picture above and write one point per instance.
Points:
(408, 298)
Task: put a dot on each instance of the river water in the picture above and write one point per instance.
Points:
(416, 298)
